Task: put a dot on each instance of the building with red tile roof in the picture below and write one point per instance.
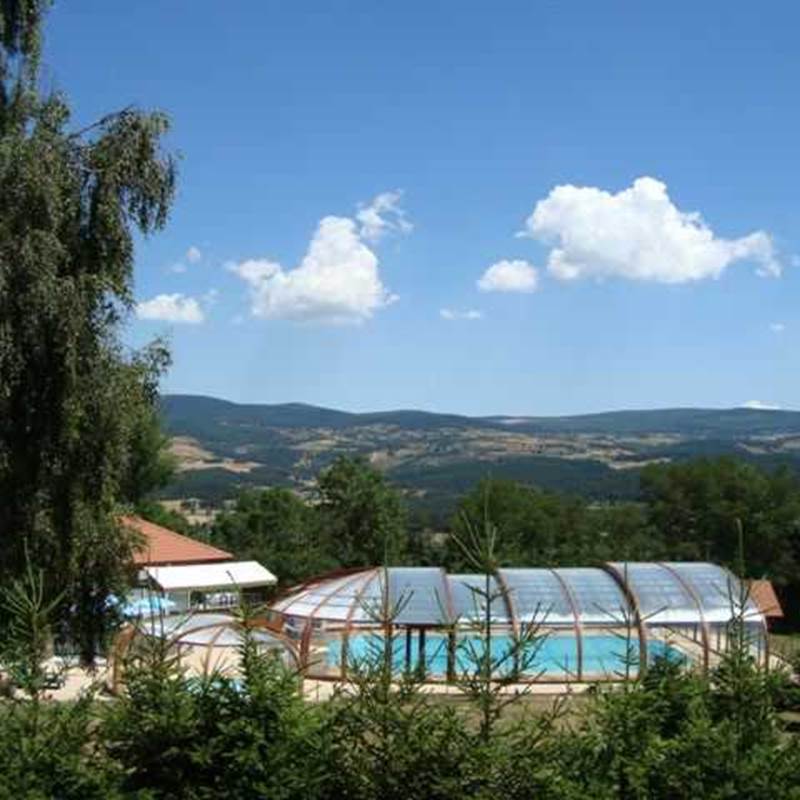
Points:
(162, 547)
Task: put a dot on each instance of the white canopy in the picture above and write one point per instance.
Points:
(225, 575)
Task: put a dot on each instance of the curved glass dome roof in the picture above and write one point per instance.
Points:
(655, 593)
(206, 630)
(680, 592)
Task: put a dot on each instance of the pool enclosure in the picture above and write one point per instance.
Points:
(579, 623)
(203, 643)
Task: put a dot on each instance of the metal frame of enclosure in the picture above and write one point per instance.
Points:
(686, 606)
(204, 642)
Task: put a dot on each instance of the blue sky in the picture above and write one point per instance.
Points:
(462, 206)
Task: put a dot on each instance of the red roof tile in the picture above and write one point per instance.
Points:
(162, 546)
(763, 594)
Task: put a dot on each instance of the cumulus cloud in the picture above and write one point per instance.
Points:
(509, 276)
(338, 280)
(171, 308)
(639, 234)
(452, 315)
(759, 405)
(777, 327)
(381, 216)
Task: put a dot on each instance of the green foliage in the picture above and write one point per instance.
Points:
(28, 635)
(546, 529)
(72, 401)
(361, 513)
(153, 511)
(695, 508)
(668, 738)
(151, 466)
(358, 519)
(670, 735)
(179, 737)
(276, 528)
(46, 752)
(43, 746)
(392, 745)
(489, 674)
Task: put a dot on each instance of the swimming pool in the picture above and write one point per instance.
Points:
(556, 657)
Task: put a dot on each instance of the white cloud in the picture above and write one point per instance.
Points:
(171, 308)
(509, 276)
(452, 315)
(759, 405)
(777, 327)
(639, 234)
(337, 280)
(193, 255)
(381, 216)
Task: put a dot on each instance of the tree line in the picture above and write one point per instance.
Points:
(685, 511)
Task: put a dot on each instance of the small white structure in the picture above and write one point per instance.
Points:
(216, 585)
(177, 574)
(225, 575)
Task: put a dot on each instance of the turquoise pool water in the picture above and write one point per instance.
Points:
(556, 656)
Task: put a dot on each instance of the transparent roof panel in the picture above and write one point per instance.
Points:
(537, 595)
(719, 591)
(367, 599)
(468, 593)
(598, 597)
(218, 636)
(203, 629)
(662, 598)
(330, 599)
(177, 626)
(667, 593)
(419, 595)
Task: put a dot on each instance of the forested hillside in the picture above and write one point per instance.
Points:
(223, 447)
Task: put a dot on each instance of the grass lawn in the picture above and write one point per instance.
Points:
(785, 644)
(530, 705)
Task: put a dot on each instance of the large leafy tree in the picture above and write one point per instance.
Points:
(274, 526)
(697, 507)
(539, 528)
(363, 516)
(72, 400)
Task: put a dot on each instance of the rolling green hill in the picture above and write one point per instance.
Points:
(224, 446)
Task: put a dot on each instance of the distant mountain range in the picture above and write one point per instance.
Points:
(224, 446)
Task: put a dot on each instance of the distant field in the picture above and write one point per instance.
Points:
(224, 447)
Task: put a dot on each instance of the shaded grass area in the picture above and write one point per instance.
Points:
(571, 707)
(785, 644)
